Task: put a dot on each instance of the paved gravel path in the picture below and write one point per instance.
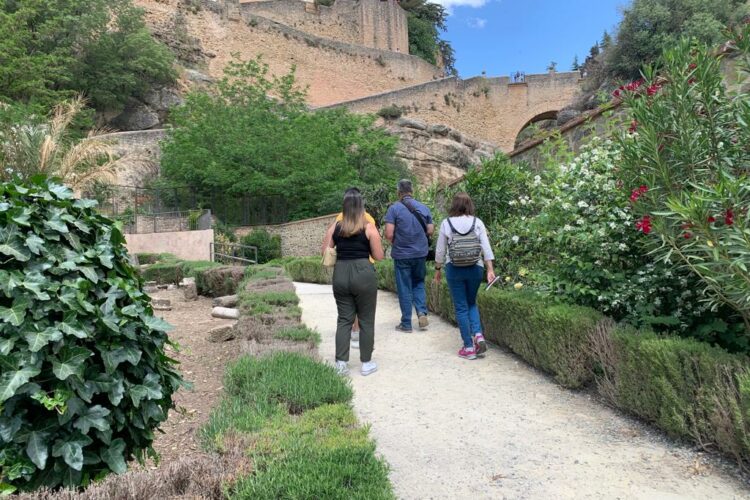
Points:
(495, 428)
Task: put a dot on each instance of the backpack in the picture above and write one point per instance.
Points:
(465, 249)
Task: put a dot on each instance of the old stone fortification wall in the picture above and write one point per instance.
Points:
(143, 153)
(300, 238)
(333, 71)
(376, 24)
(491, 109)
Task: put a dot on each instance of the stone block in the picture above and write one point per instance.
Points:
(226, 301)
(191, 292)
(161, 304)
(222, 333)
(225, 313)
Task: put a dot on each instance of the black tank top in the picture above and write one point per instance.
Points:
(354, 247)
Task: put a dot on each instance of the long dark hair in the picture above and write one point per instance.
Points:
(354, 214)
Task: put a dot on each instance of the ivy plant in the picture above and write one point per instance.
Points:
(84, 376)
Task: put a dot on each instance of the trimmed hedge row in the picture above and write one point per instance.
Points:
(687, 388)
(211, 278)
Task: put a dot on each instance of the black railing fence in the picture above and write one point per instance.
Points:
(159, 208)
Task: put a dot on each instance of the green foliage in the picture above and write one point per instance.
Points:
(685, 387)
(269, 247)
(147, 258)
(298, 334)
(238, 141)
(256, 304)
(390, 112)
(425, 22)
(308, 270)
(214, 279)
(554, 338)
(85, 378)
(102, 48)
(649, 27)
(687, 148)
(164, 273)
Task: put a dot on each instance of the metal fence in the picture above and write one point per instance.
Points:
(231, 253)
(154, 209)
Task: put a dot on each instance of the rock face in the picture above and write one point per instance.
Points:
(137, 116)
(437, 153)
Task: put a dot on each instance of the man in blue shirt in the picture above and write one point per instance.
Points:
(408, 225)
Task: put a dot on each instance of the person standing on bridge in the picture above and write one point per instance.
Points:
(355, 284)
(464, 247)
(408, 226)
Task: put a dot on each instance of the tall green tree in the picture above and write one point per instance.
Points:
(649, 27)
(238, 141)
(51, 50)
(426, 22)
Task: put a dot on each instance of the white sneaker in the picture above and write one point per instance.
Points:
(342, 368)
(355, 340)
(369, 368)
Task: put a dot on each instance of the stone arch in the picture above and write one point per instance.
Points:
(550, 114)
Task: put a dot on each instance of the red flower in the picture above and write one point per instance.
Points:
(711, 219)
(653, 89)
(692, 66)
(692, 81)
(637, 193)
(643, 189)
(686, 225)
(729, 217)
(633, 126)
(616, 94)
(687, 235)
(644, 224)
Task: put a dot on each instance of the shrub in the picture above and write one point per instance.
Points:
(269, 247)
(85, 379)
(685, 157)
(309, 270)
(164, 273)
(391, 112)
(685, 387)
(147, 258)
(554, 338)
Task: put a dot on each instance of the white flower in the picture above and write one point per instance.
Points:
(515, 239)
(567, 227)
(523, 201)
(537, 180)
(623, 246)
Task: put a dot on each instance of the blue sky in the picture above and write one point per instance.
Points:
(504, 36)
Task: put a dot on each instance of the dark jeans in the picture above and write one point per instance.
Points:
(410, 274)
(463, 283)
(355, 288)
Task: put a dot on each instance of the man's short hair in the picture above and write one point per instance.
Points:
(405, 187)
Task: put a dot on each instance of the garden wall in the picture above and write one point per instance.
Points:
(299, 238)
(186, 245)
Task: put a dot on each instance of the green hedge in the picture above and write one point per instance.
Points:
(553, 338)
(211, 278)
(163, 273)
(686, 387)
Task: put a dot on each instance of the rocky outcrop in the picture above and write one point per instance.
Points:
(437, 153)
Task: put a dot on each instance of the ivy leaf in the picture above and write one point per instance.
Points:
(155, 323)
(56, 224)
(90, 273)
(70, 362)
(35, 244)
(71, 450)
(37, 448)
(6, 344)
(113, 358)
(150, 389)
(8, 281)
(34, 282)
(10, 244)
(132, 310)
(22, 217)
(39, 339)
(10, 382)
(106, 260)
(73, 328)
(61, 191)
(94, 417)
(114, 456)
(9, 427)
(16, 314)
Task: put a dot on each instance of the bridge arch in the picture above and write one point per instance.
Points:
(539, 117)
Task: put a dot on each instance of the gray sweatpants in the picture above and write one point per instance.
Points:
(355, 287)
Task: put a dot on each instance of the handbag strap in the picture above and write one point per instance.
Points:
(418, 215)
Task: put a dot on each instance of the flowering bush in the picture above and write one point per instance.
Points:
(687, 147)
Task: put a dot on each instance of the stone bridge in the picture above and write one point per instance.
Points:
(495, 110)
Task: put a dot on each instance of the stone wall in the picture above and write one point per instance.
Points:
(142, 151)
(378, 24)
(300, 238)
(333, 71)
(489, 109)
(187, 245)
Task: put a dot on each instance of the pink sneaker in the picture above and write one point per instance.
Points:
(479, 343)
(467, 353)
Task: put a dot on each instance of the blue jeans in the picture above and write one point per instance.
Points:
(410, 274)
(463, 283)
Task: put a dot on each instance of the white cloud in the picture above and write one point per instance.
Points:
(476, 23)
(449, 4)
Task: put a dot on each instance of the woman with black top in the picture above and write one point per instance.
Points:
(355, 284)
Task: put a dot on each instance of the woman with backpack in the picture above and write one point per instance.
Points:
(464, 248)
